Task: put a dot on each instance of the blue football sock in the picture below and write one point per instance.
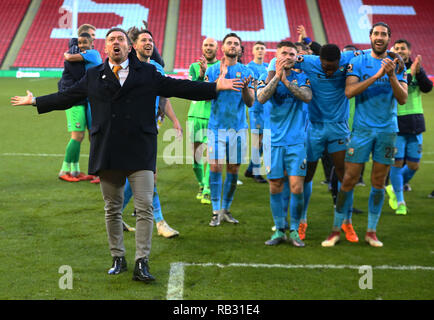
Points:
(286, 194)
(255, 162)
(349, 205)
(344, 202)
(158, 214)
(229, 188)
(215, 184)
(397, 180)
(307, 192)
(128, 193)
(296, 210)
(376, 200)
(407, 174)
(277, 210)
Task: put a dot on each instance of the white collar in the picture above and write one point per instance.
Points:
(124, 64)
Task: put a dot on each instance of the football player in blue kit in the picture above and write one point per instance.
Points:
(371, 78)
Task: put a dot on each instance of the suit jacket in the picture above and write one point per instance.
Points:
(123, 135)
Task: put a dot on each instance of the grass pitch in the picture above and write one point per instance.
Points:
(46, 223)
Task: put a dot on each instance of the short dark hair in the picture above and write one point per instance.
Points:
(232, 34)
(286, 43)
(86, 35)
(403, 41)
(382, 24)
(351, 47)
(120, 30)
(134, 33)
(259, 42)
(330, 52)
(302, 45)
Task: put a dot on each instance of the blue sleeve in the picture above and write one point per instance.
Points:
(353, 68)
(346, 57)
(91, 56)
(210, 74)
(158, 66)
(305, 62)
(303, 80)
(261, 81)
(272, 65)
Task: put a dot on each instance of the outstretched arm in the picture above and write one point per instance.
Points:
(22, 100)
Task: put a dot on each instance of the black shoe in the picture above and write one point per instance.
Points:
(119, 265)
(141, 271)
(357, 211)
(259, 179)
(248, 174)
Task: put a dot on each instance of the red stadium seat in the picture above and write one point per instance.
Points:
(41, 50)
(241, 15)
(414, 27)
(11, 14)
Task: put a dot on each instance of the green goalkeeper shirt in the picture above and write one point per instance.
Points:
(199, 109)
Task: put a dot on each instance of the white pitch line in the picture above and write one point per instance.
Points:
(175, 286)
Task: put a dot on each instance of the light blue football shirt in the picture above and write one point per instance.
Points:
(329, 103)
(92, 58)
(258, 70)
(287, 121)
(376, 106)
(228, 111)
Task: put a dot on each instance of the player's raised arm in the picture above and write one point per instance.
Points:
(302, 93)
(264, 94)
(248, 93)
(353, 85)
(400, 89)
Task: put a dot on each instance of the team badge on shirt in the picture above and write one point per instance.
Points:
(341, 69)
(295, 82)
(350, 152)
(238, 75)
(350, 68)
(77, 125)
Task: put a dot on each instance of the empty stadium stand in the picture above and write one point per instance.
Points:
(276, 21)
(48, 36)
(344, 23)
(11, 14)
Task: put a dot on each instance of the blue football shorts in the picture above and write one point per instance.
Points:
(290, 159)
(329, 136)
(409, 147)
(363, 142)
(227, 144)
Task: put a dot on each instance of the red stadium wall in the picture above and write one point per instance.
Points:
(11, 14)
(415, 27)
(40, 49)
(246, 18)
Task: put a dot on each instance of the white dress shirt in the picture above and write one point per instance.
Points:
(123, 73)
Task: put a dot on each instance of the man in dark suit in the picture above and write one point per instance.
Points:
(122, 93)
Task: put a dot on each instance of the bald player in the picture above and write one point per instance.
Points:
(198, 116)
